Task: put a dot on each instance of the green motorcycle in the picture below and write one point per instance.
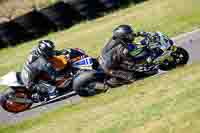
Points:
(166, 55)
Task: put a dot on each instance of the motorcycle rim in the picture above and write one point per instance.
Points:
(181, 56)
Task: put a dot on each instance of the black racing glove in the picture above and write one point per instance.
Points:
(62, 52)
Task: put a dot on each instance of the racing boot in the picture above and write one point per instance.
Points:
(101, 87)
(115, 82)
(46, 90)
(52, 92)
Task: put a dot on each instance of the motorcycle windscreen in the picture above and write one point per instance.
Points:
(85, 63)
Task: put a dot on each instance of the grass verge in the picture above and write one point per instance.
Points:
(164, 103)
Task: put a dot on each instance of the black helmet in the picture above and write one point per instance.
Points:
(46, 48)
(124, 32)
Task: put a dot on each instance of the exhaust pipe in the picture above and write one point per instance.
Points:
(20, 100)
(15, 99)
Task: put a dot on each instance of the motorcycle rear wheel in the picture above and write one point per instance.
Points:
(82, 82)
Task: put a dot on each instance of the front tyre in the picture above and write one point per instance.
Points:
(14, 107)
(180, 58)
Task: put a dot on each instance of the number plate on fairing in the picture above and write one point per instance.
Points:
(85, 63)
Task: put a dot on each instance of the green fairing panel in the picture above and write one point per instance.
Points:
(136, 52)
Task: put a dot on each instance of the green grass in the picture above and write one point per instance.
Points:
(166, 103)
(159, 104)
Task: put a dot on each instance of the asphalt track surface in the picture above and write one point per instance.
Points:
(189, 41)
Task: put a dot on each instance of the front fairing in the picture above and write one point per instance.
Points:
(167, 54)
(10, 79)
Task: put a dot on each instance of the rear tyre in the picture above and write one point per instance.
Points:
(15, 107)
(83, 84)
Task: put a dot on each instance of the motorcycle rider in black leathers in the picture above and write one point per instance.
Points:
(36, 64)
(116, 59)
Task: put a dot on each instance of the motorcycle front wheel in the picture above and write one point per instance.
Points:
(180, 58)
(14, 107)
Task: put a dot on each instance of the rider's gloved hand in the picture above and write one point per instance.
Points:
(65, 51)
(141, 33)
(61, 52)
(144, 34)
